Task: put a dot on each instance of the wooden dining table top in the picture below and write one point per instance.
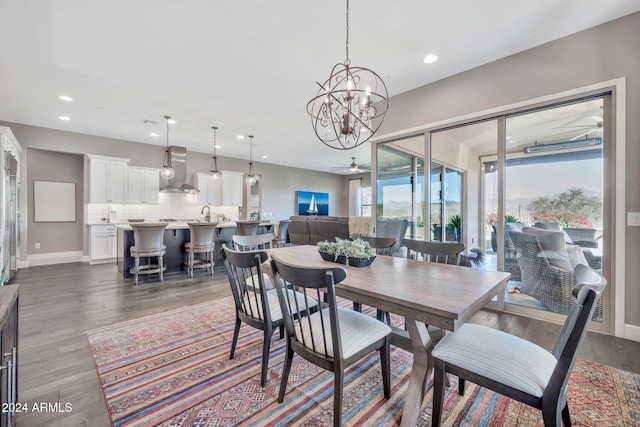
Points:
(437, 294)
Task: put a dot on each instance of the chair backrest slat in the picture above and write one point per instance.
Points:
(246, 277)
(586, 295)
(253, 243)
(442, 252)
(312, 281)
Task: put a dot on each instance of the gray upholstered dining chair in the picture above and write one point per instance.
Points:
(148, 242)
(255, 299)
(247, 228)
(515, 367)
(201, 241)
(332, 338)
(382, 246)
(443, 252)
(252, 243)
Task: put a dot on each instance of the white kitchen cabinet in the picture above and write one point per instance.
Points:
(103, 244)
(107, 179)
(210, 189)
(143, 185)
(232, 184)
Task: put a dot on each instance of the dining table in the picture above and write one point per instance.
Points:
(424, 293)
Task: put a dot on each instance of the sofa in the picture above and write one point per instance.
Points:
(309, 230)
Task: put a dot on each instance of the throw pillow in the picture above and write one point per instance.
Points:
(554, 248)
(553, 226)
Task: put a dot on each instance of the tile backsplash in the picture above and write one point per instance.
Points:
(171, 205)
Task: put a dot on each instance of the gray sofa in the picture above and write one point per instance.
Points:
(309, 230)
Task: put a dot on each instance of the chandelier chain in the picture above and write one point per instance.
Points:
(347, 43)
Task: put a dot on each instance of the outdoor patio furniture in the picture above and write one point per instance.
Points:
(548, 267)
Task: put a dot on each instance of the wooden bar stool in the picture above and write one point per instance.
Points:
(247, 228)
(148, 242)
(280, 240)
(200, 242)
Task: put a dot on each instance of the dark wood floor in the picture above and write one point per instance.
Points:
(59, 303)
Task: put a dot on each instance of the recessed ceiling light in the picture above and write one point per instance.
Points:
(65, 98)
(171, 121)
(65, 118)
(264, 157)
(155, 135)
(218, 146)
(429, 59)
(240, 136)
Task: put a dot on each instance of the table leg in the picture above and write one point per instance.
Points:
(420, 371)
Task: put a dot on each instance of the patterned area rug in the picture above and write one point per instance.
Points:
(173, 369)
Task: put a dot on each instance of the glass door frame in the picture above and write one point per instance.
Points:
(614, 172)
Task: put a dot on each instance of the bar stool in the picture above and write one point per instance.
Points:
(201, 241)
(247, 228)
(148, 241)
(281, 238)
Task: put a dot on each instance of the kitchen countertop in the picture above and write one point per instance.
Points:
(178, 225)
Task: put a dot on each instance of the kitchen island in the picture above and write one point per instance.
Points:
(175, 236)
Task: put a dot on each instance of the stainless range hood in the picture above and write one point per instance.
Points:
(178, 161)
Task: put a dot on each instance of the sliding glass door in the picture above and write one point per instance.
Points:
(527, 191)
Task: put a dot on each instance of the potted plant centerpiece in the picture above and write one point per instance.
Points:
(356, 253)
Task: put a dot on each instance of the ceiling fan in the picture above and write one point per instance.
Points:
(584, 130)
(354, 167)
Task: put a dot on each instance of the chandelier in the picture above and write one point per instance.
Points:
(167, 171)
(349, 106)
(215, 172)
(251, 176)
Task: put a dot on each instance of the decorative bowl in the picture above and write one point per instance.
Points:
(352, 261)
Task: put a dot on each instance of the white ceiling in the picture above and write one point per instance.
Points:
(248, 67)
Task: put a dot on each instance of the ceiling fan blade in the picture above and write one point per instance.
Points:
(568, 127)
(584, 133)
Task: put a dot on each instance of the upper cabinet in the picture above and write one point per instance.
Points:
(210, 189)
(143, 185)
(107, 179)
(232, 188)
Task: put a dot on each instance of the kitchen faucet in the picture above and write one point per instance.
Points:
(207, 217)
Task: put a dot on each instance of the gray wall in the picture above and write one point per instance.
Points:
(279, 191)
(57, 167)
(603, 53)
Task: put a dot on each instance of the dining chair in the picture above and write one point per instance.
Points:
(247, 228)
(382, 246)
(281, 237)
(148, 242)
(201, 241)
(332, 338)
(443, 252)
(515, 367)
(256, 302)
(252, 243)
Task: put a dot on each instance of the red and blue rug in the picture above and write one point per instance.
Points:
(173, 369)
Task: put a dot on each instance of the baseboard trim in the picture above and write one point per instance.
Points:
(632, 332)
(54, 258)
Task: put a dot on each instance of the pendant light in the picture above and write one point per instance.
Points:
(251, 176)
(349, 106)
(215, 173)
(167, 171)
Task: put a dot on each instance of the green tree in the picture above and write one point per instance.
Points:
(573, 201)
